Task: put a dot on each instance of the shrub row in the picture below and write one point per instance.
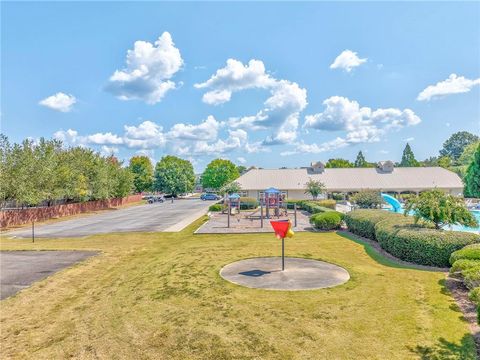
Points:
(248, 203)
(466, 266)
(215, 207)
(313, 207)
(398, 235)
(329, 220)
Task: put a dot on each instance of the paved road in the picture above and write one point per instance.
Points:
(150, 217)
(19, 269)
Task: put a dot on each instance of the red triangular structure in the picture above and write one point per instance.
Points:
(280, 227)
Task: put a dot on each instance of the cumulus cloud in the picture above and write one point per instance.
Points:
(206, 130)
(361, 124)
(453, 85)
(104, 139)
(234, 77)
(347, 60)
(281, 110)
(241, 160)
(59, 102)
(149, 68)
(108, 150)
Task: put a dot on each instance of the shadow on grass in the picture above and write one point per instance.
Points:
(446, 350)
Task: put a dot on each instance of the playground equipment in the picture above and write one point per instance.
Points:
(273, 199)
(392, 201)
(283, 229)
(233, 206)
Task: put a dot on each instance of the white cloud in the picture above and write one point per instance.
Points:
(241, 160)
(281, 110)
(147, 135)
(409, 139)
(347, 60)
(453, 85)
(361, 124)
(384, 151)
(70, 136)
(60, 102)
(207, 130)
(149, 68)
(104, 139)
(108, 150)
(234, 77)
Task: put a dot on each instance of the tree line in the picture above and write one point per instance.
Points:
(46, 172)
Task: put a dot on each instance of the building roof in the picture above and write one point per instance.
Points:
(353, 179)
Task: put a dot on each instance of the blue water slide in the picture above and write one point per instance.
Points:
(392, 201)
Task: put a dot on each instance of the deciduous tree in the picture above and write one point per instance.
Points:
(218, 173)
(142, 171)
(174, 175)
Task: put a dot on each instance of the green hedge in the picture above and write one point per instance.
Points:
(362, 222)
(327, 203)
(474, 295)
(215, 207)
(470, 252)
(329, 220)
(313, 207)
(248, 203)
(398, 235)
(462, 265)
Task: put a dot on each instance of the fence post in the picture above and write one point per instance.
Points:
(33, 231)
(295, 213)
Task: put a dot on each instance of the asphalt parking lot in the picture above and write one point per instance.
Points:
(19, 269)
(165, 216)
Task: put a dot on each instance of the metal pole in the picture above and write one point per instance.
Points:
(33, 231)
(283, 254)
(295, 213)
(228, 215)
(261, 213)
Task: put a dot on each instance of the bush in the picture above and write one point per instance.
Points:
(471, 277)
(421, 245)
(470, 252)
(313, 207)
(328, 203)
(474, 295)
(362, 222)
(398, 235)
(330, 220)
(248, 203)
(368, 199)
(215, 207)
(462, 265)
(292, 202)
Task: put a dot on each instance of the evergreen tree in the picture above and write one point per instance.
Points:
(360, 160)
(408, 158)
(472, 178)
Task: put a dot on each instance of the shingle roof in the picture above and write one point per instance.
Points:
(352, 179)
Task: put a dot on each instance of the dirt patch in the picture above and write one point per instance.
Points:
(460, 294)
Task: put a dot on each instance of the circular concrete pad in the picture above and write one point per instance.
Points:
(299, 274)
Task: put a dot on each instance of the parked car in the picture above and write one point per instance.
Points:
(155, 198)
(210, 196)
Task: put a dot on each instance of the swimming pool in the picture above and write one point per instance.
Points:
(475, 213)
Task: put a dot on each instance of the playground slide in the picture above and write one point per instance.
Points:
(392, 201)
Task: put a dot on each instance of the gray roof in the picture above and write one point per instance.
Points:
(353, 179)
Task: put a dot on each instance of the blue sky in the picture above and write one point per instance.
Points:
(265, 84)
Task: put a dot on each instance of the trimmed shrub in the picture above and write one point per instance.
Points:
(313, 208)
(474, 295)
(329, 220)
(470, 252)
(421, 245)
(471, 277)
(215, 207)
(248, 203)
(367, 199)
(327, 203)
(398, 235)
(291, 202)
(362, 222)
(463, 264)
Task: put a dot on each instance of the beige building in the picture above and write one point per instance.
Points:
(385, 177)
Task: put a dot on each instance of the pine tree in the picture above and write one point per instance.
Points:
(360, 161)
(472, 178)
(408, 158)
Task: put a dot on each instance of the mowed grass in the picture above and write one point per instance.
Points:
(159, 295)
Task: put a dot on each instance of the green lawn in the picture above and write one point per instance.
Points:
(160, 296)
